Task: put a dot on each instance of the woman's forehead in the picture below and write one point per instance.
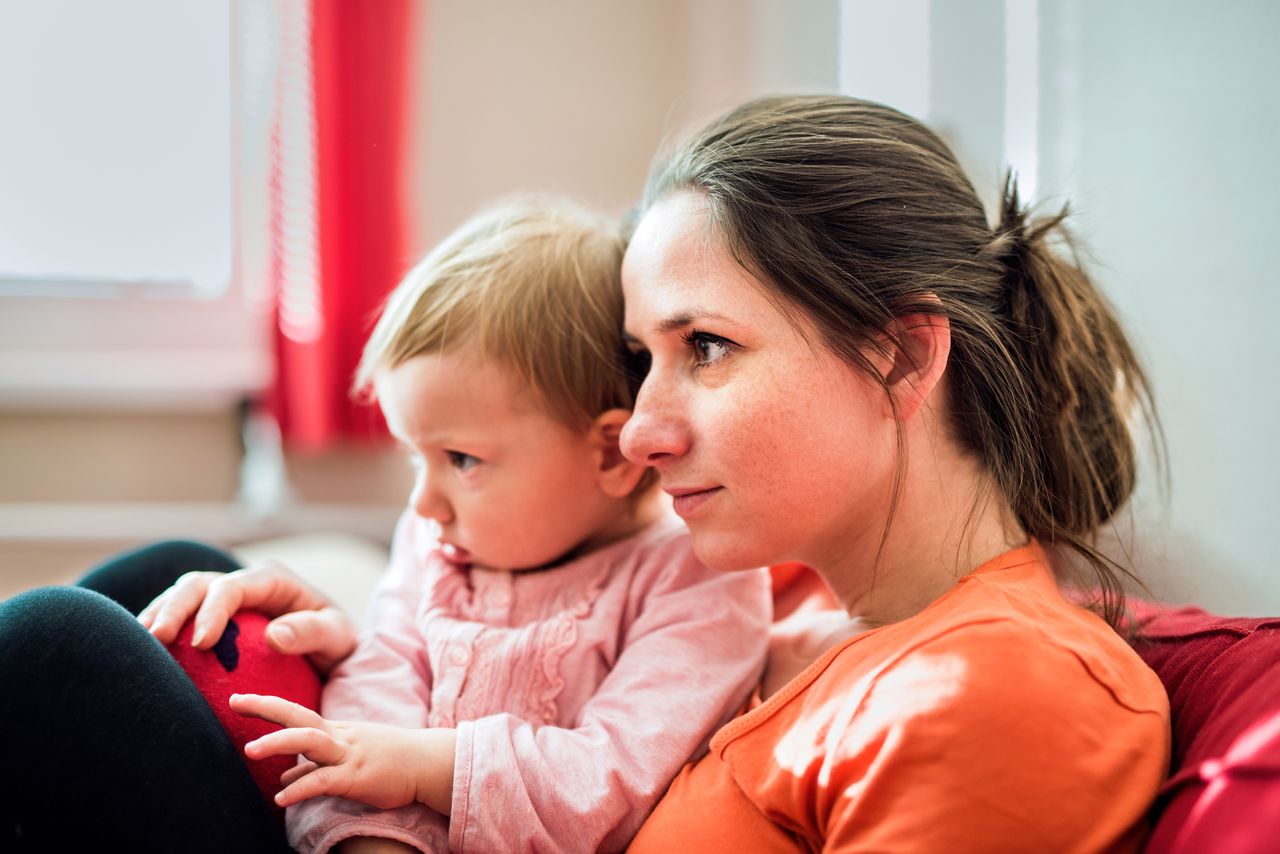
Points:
(677, 273)
(671, 241)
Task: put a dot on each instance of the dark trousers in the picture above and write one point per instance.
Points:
(107, 745)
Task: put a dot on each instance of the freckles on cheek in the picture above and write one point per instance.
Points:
(757, 444)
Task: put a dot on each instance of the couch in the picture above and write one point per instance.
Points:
(1223, 679)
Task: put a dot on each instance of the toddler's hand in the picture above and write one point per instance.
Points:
(383, 766)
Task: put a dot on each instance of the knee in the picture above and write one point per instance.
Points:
(49, 618)
(181, 556)
(47, 607)
(135, 578)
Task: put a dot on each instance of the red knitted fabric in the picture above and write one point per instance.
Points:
(241, 662)
(1223, 679)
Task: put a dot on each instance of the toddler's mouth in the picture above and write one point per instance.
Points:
(455, 555)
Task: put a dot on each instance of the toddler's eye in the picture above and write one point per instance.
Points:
(461, 461)
(707, 348)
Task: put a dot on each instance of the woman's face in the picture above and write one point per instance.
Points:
(773, 447)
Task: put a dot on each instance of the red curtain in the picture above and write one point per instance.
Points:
(361, 67)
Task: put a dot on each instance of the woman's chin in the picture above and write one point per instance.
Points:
(725, 553)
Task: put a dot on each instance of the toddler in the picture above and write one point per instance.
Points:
(544, 652)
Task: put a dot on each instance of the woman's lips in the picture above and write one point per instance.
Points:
(455, 555)
(686, 502)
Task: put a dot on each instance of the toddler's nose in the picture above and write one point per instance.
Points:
(428, 501)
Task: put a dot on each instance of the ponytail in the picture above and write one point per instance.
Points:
(1085, 388)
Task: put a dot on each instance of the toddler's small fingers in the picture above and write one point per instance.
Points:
(317, 746)
(321, 781)
(297, 772)
(276, 709)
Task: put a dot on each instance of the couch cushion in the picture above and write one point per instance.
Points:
(1223, 679)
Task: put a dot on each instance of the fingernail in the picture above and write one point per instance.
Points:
(197, 637)
(285, 637)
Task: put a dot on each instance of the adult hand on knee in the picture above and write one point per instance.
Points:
(306, 622)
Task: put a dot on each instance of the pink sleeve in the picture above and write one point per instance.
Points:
(690, 659)
(386, 680)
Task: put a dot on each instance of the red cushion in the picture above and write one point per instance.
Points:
(1223, 679)
(241, 662)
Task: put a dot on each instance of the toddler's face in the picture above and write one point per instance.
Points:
(511, 487)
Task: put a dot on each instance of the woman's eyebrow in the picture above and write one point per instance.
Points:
(678, 321)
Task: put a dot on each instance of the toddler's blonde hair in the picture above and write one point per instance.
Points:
(532, 283)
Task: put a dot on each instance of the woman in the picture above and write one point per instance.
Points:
(851, 369)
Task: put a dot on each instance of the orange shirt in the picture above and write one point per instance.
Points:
(999, 718)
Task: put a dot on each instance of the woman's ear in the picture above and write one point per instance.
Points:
(920, 346)
(618, 476)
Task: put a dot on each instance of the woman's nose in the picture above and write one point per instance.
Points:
(427, 500)
(655, 433)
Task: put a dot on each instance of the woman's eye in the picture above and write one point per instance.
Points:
(707, 348)
(461, 461)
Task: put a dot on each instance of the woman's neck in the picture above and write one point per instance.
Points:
(950, 519)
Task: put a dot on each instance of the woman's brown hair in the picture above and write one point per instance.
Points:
(856, 214)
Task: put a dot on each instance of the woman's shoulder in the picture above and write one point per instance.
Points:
(967, 696)
(1016, 625)
(995, 649)
(1016, 641)
(913, 731)
(1076, 664)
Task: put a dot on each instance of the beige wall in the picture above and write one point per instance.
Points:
(88, 456)
(576, 96)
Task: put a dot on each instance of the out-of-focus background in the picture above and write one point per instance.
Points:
(202, 203)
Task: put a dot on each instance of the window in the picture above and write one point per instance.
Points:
(133, 199)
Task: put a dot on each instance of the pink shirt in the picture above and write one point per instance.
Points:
(577, 692)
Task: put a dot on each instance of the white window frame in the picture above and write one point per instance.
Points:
(139, 346)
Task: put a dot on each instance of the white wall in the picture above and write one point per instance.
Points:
(1159, 121)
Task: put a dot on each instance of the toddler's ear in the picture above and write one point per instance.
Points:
(618, 476)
